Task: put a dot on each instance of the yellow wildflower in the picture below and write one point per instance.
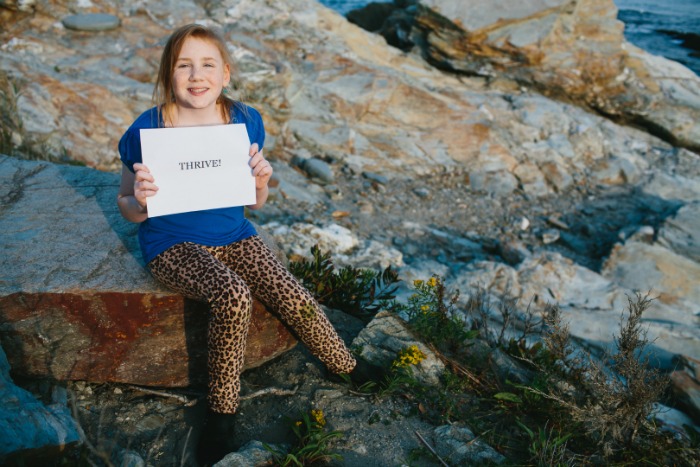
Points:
(432, 282)
(417, 283)
(425, 308)
(318, 417)
(409, 356)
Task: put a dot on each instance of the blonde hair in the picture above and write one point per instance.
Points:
(163, 96)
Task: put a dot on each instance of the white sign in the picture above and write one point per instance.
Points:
(196, 168)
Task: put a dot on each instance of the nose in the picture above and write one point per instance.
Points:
(194, 72)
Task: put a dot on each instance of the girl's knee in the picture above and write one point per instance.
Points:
(230, 292)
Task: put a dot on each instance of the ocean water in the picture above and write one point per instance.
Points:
(670, 28)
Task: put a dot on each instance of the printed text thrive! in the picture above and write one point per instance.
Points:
(200, 164)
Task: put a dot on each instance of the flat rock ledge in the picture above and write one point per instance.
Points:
(76, 302)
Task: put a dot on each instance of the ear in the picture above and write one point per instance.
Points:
(227, 74)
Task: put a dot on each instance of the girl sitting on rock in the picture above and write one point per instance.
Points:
(215, 255)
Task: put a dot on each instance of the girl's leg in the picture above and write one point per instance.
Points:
(277, 288)
(193, 271)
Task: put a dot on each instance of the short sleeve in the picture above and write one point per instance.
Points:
(253, 123)
(130, 143)
(130, 148)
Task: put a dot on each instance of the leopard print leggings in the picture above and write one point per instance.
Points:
(226, 277)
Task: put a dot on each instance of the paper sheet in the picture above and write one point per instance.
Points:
(198, 168)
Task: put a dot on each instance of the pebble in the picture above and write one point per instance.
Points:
(91, 22)
(316, 168)
(556, 222)
(550, 236)
(524, 223)
(374, 177)
(422, 192)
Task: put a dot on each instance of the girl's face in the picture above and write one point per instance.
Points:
(200, 75)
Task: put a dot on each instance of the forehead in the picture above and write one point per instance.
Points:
(194, 47)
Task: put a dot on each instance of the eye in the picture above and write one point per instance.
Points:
(183, 65)
(210, 65)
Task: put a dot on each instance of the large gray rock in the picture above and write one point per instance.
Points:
(572, 49)
(685, 385)
(31, 431)
(459, 446)
(387, 335)
(593, 303)
(682, 232)
(75, 299)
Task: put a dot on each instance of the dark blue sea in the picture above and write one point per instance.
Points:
(670, 28)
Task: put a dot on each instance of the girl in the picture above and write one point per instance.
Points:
(215, 255)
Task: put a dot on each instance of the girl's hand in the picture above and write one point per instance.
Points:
(143, 184)
(262, 170)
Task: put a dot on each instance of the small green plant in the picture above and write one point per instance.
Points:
(359, 292)
(400, 377)
(547, 446)
(312, 442)
(432, 314)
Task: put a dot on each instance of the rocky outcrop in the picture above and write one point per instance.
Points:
(573, 50)
(328, 91)
(685, 386)
(40, 432)
(592, 304)
(76, 302)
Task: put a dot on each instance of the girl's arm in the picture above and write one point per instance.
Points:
(133, 191)
(262, 171)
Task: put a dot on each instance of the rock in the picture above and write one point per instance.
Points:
(372, 255)
(344, 246)
(685, 385)
(385, 336)
(674, 420)
(91, 22)
(252, 454)
(298, 238)
(459, 446)
(26, 6)
(422, 192)
(550, 236)
(32, 433)
(76, 302)
(681, 233)
(653, 268)
(317, 169)
(375, 433)
(575, 50)
(513, 252)
(377, 178)
(591, 303)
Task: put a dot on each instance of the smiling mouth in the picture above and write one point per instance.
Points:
(197, 91)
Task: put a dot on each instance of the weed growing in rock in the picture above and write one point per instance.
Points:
(431, 313)
(611, 404)
(359, 292)
(312, 442)
(568, 407)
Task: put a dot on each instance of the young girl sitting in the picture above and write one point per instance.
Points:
(215, 255)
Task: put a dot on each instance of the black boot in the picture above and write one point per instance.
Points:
(216, 439)
(366, 371)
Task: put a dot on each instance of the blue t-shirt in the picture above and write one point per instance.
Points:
(213, 227)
